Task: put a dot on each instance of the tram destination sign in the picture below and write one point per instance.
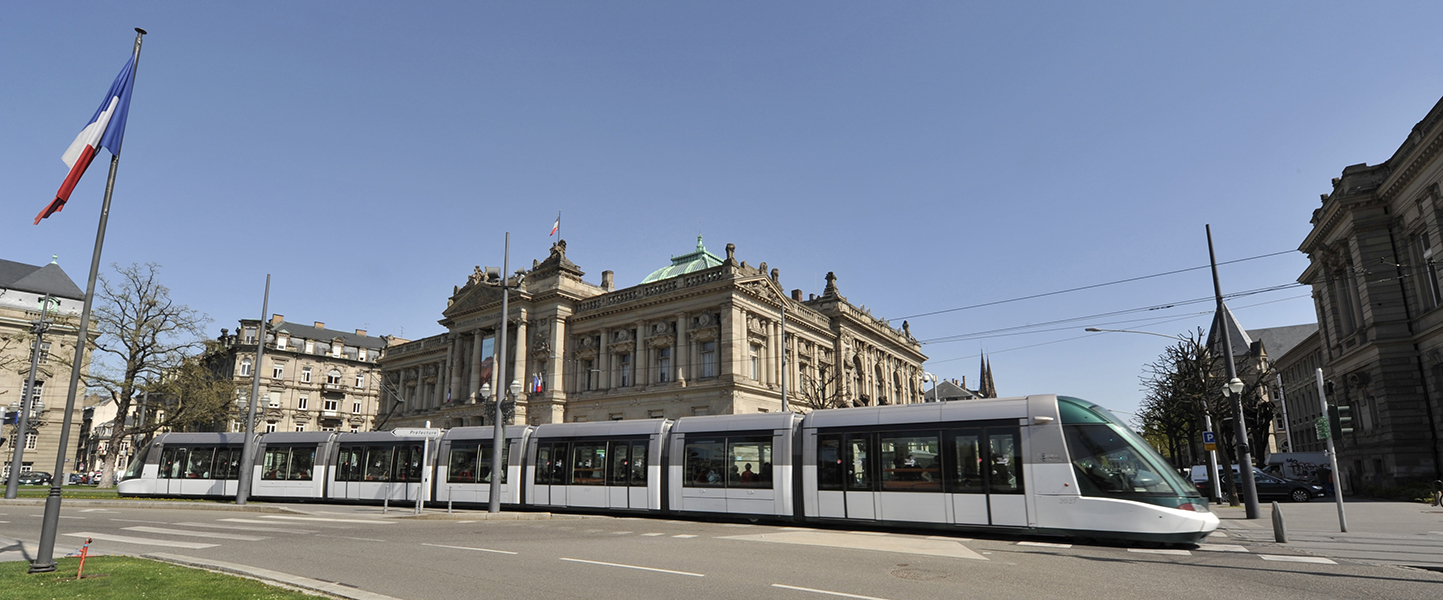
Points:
(424, 432)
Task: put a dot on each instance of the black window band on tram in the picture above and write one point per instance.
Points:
(1110, 460)
(600, 462)
(981, 459)
(743, 461)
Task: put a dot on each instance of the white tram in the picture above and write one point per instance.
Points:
(1040, 465)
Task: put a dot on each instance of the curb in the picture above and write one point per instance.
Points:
(273, 577)
(485, 516)
(263, 508)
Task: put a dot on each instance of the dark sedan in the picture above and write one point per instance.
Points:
(1271, 486)
(34, 478)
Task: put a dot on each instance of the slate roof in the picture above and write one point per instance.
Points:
(49, 279)
(297, 330)
(951, 391)
(1223, 318)
(690, 262)
(1277, 341)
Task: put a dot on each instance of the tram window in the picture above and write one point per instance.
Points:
(1106, 464)
(1006, 462)
(227, 463)
(302, 461)
(638, 463)
(378, 463)
(198, 465)
(588, 463)
(559, 452)
(461, 467)
(705, 461)
(543, 464)
(829, 462)
(483, 469)
(750, 462)
(620, 464)
(409, 460)
(277, 463)
(168, 466)
(966, 474)
(910, 463)
(859, 477)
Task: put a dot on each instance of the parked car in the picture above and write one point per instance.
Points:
(1269, 486)
(34, 478)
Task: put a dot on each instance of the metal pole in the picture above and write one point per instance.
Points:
(1245, 457)
(1283, 400)
(44, 559)
(498, 429)
(248, 451)
(12, 483)
(139, 423)
(1332, 457)
(785, 407)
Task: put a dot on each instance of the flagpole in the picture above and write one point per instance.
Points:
(44, 559)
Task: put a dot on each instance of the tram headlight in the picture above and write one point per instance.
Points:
(1191, 506)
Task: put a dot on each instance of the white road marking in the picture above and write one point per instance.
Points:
(345, 537)
(61, 516)
(607, 564)
(1160, 551)
(1302, 559)
(140, 521)
(1044, 544)
(869, 532)
(621, 533)
(325, 519)
(142, 541)
(241, 527)
(684, 535)
(199, 534)
(844, 595)
(892, 543)
(466, 548)
(1221, 548)
(949, 538)
(651, 534)
(1218, 533)
(104, 510)
(465, 521)
(4, 521)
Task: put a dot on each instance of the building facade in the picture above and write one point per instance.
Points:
(1374, 276)
(312, 378)
(23, 290)
(1290, 353)
(702, 335)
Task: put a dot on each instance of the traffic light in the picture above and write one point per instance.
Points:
(1340, 417)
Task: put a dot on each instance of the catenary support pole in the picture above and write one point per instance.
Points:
(1245, 457)
(27, 398)
(785, 406)
(44, 559)
(498, 429)
(248, 450)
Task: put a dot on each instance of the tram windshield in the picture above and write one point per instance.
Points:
(1111, 460)
(136, 465)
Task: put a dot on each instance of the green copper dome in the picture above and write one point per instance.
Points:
(687, 263)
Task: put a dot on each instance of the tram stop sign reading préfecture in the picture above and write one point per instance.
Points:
(416, 432)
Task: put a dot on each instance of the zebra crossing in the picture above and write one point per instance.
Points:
(198, 535)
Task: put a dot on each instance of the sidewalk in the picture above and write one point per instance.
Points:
(1399, 533)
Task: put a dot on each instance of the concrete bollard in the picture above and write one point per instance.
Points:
(1280, 532)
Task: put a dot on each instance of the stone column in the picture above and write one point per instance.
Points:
(640, 361)
(520, 369)
(453, 368)
(681, 356)
(603, 361)
(475, 387)
(734, 347)
(555, 363)
(773, 355)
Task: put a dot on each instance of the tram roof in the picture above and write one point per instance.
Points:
(600, 428)
(486, 432)
(201, 438)
(928, 412)
(736, 422)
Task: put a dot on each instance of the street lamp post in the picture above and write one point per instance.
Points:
(1214, 486)
(1235, 385)
(498, 429)
(38, 327)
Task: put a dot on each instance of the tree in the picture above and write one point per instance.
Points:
(144, 341)
(819, 392)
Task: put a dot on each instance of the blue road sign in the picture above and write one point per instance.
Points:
(1209, 438)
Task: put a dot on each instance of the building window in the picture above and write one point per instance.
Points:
(360, 381)
(250, 335)
(625, 360)
(1345, 303)
(310, 347)
(270, 427)
(281, 342)
(302, 403)
(245, 368)
(755, 362)
(708, 359)
(306, 375)
(588, 371)
(31, 438)
(355, 430)
(278, 371)
(300, 426)
(663, 365)
(1428, 287)
(330, 405)
(35, 404)
(275, 400)
(44, 353)
(334, 377)
(356, 406)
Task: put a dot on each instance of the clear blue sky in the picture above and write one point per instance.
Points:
(934, 155)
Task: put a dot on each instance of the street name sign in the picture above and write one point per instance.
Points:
(424, 432)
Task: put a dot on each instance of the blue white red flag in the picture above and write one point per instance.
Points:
(536, 384)
(105, 130)
(557, 226)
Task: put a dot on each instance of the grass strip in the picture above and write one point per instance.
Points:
(126, 577)
(78, 493)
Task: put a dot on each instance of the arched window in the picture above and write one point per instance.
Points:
(334, 377)
(245, 367)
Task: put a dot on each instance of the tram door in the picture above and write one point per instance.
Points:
(550, 477)
(987, 486)
(861, 500)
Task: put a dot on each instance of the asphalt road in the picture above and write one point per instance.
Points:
(642, 558)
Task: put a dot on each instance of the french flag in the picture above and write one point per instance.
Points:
(105, 130)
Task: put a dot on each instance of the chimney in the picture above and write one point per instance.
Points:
(276, 320)
(320, 325)
(361, 332)
(797, 295)
(608, 280)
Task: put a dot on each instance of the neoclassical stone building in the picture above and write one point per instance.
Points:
(1374, 271)
(702, 335)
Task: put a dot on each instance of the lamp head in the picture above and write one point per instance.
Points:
(515, 388)
(1236, 385)
(486, 391)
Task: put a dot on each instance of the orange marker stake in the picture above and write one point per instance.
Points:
(83, 551)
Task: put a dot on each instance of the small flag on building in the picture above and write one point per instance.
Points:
(105, 130)
(557, 227)
(536, 386)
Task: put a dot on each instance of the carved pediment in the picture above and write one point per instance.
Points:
(473, 297)
(704, 335)
(661, 334)
(622, 347)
